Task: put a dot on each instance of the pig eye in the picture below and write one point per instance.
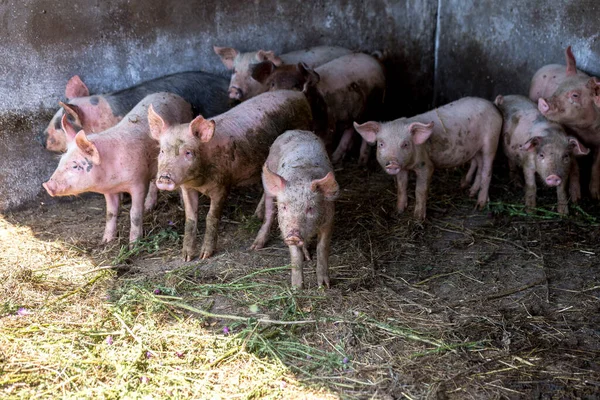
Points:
(188, 153)
(541, 155)
(309, 210)
(405, 145)
(575, 95)
(380, 144)
(283, 207)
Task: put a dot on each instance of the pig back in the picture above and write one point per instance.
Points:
(547, 79)
(350, 83)
(461, 129)
(299, 155)
(314, 56)
(244, 134)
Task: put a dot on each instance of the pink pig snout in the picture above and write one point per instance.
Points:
(235, 93)
(164, 182)
(392, 167)
(50, 187)
(553, 180)
(294, 238)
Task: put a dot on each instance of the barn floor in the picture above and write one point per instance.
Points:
(492, 304)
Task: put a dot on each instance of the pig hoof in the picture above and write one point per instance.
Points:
(306, 253)
(188, 255)
(206, 253)
(362, 161)
(257, 246)
(323, 282)
(563, 210)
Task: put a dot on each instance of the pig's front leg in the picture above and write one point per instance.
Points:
(595, 178)
(217, 201)
(561, 194)
(263, 234)
(574, 186)
(365, 150)
(297, 261)
(112, 211)
(402, 189)
(260, 208)
(190, 203)
(424, 173)
(343, 146)
(323, 246)
(530, 188)
(151, 197)
(136, 214)
(467, 179)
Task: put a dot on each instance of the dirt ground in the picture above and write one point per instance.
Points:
(469, 304)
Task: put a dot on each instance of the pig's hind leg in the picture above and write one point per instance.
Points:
(574, 186)
(151, 197)
(485, 177)
(343, 146)
(136, 214)
(263, 233)
(112, 211)
(467, 179)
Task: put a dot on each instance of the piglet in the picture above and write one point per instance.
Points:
(243, 87)
(446, 137)
(121, 159)
(536, 145)
(352, 86)
(548, 78)
(212, 156)
(299, 176)
(207, 94)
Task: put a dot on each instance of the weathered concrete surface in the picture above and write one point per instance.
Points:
(488, 47)
(115, 44)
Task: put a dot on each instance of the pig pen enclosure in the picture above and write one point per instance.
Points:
(492, 304)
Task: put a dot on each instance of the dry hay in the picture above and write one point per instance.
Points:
(492, 304)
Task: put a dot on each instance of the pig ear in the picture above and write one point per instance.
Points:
(368, 131)
(261, 71)
(499, 100)
(532, 143)
(263, 55)
(571, 64)
(70, 132)
(156, 123)
(543, 106)
(87, 147)
(227, 55)
(595, 85)
(73, 111)
(76, 88)
(272, 182)
(309, 74)
(576, 148)
(327, 185)
(420, 132)
(202, 129)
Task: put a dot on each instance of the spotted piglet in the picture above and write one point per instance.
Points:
(299, 176)
(446, 137)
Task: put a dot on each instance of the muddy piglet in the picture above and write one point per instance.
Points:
(299, 177)
(120, 159)
(212, 156)
(449, 136)
(536, 145)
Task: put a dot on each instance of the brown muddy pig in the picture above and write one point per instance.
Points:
(576, 104)
(299, 176)
(121, 159)
(212, 156)
(446, 137)
(243, 87)
(548, 78)
(536, 145)
(352, 86)
(207, 93)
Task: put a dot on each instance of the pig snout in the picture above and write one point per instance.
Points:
(164, 182)
(553, 180)
(50, 187)
(392, 167)
(235, 93)
(294, 238)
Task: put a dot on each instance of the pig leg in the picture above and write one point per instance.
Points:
(365, 150)
(217, 201)
(263, 233)
(151, 197)
(112, 210)
(402, 188)
(469, 177)
(136, 214)
(513, 172)
(595, 178)
(260, 209)
(574, 187)
(530, 188)
(323, 246)
(478, 176)
(190, 203)
(297, 260)
(305, 252)
(424, 174)
(486, 162)
(342, 148)
(561, 194)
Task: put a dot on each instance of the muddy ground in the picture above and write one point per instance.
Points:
(468, 304)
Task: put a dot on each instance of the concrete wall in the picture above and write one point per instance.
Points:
(115, 44)
(437, 51)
